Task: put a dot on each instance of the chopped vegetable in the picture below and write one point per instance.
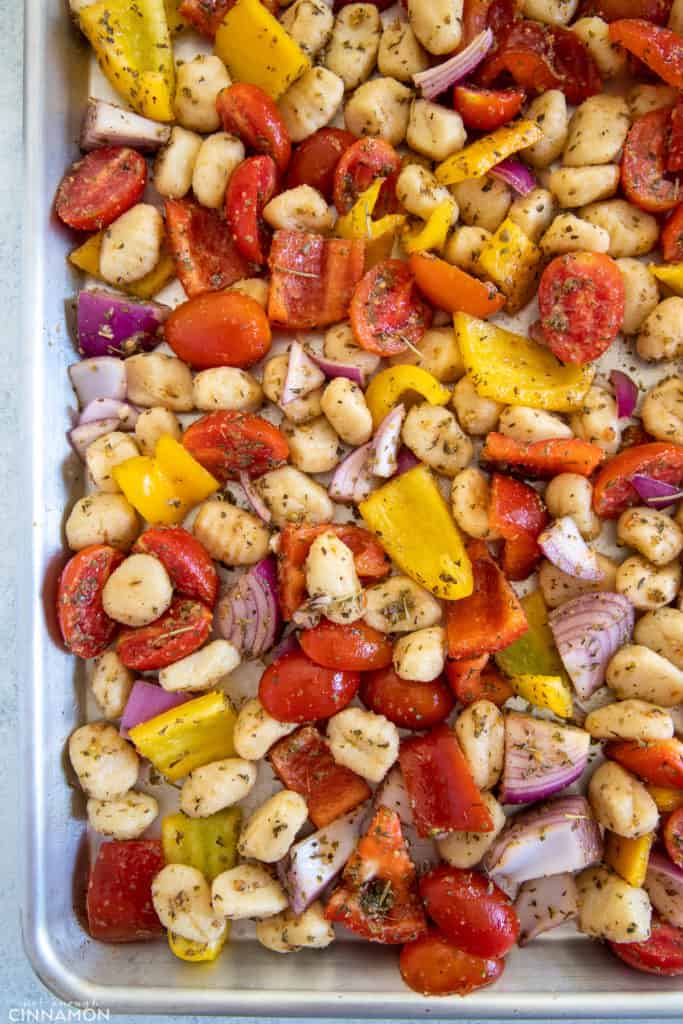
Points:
(248, 615)
(473, 679)
(315, 861)
(470, 909)
(99, 377)
(105, 124)
(479, 157)
(436, 80)
(387, 313)
(294, 689)
(588, 630)
(512, 261)
(312, 278)
(541, 758)
(625, 392)
(256, 49)
(450, 288)
(659, 762)
(87, 259)
(206, 257)
(433, 966)
(386, 389)
(563, 545)
(433, 234)
(661, 954)
(228, 443)
(549, 692)
(85, 626)
(542, 458)
(358, 222)
(517, 513)
(185, 559)
(545, 903)
(628, 857)
(164, 487)
(147, 700)
(515, 174)
(613, 490)
(119, 898)
(100, 187)
(659, 48)
(110, 325)
(534, 653)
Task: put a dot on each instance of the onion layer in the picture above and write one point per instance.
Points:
(515, 174)
(540, 757)
(588, 630)
(249, 614)
(625, 392)
(563, 545)
(655, 493)
(114, 325)
(314, 862)
(303, 375)
(436, 80)
(147, 700)
(100, 377)
(545, 903)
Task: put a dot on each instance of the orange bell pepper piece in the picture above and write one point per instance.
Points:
(450, 288)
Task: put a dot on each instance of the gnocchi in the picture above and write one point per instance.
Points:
(217, 785)
(652, 533)
(226, 387)
(102, 518)
(421, 656)
(201, 670)
(182, 900)
(648, 586)
(111, 684)
(481, 734)
(466, 849)
(610, 908)
(400, 54)
(662, 410)
(309, 23)
(528, 425)
(661, 333)
(106, 765)
(125, 817)
(620, 802)
(630, 719)
(597, 131)
(433, 434)
(483, 202)
(311, 102)
(230, 534)
(272, 828)
(364, 742)
(331, 577)
(174, 165)
(343, 404)
(380, 107)
(104, 454)
(249, 890)
(434, 130)
(138, 591)
(399, 605)
(131, 246)
(256, 731)
(638, 673)
(314, 446)
(198, 83)
(218, 156)
(352, 53)
(470, 498)
(289, 932)
(292, 497)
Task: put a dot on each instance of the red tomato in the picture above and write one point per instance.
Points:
(186, 561)
(612, 489)
(314, 160)
(433, 966)
(387, 314)
(498, 15)
(355, 647)
(361, 163)
(673, 836)
(659, 762)
(228, 443)
(408, 705)
(179, 632)
(206, 257)
(251, 186)
(100, 187)
(85, 626)
(643, 165)
(295, 689)
(662, 953)
(473, 679)
(484, 110)
(674, 158)
(581, 303)
(219, 329)
(659, 48)
(656, 11)
(470, 910)
(671, 239)
(119, 900)
(250, 113)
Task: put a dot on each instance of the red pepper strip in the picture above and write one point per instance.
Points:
(542, 458)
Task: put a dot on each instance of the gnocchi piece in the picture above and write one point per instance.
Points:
(311, 102)
(218, 157)
(577, 186)
(569, 494)
(558, 587)
(104, 454)
(299, 209)
(662, 410)
(231, 535)
(632, 232)
(331, 578)
(640, 293)
(364, 742)
(620, 802)
(434, 131)
(629, 720)
(400, 54)
(476, 415)
(309, 23)
(470, 498)
(464, 246)
(399, 605)
(154, 423)
(344, 405)
(380, 107)
(217, 785)
(352, 52)
(648, 586)
(438, 24)
(226, 387)
(201, 670)
(255, 287)
(597, 131)
(466, 849)
(292, 497)
(155, 379)
(636, 672)
(432, 433)
(102, 519)
(174, 165)
(420, 193)
(138, 591)
(420, 656)
(652, 533)
(643, 99)
(597, 420)
(111, 684)
(662, 631)
(569, 233)
(131, 246)
(529, 425)
(609, 57)
(300, 410)
(256, 731)
(249, 890)
(551, 12)
(480, 729)
(313, 447)
(534, 212)
(198, 83)
(610, 908)
(341, 346)
(661, 333)
(272, 828)
(182, 900)
(438, 353)
(289, 932)
(126, 817)
(106, 766)
(483, 202)
(549, 111)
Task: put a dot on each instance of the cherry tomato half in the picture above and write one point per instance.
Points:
(315, 160)
(362, 162)
(484, 110)
(247, 111)
(354, 647)
(295, 689)
(100, 187)
(387, 313)
(85, 626)
(219, 329)
(408, 705)
(433, 966)
(178, 633)
(673, 836)
(186, 561)
(228, 443)
(471, 910)
(643, 164)
(662, 953)
(251, 186)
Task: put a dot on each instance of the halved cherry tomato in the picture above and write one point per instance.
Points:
(473, 679)
(228, 443)
(671, 238)
(355, 646)
(251, 186)
(206, 257)
(219, 329)
(517, 513)
(674, 156)
(643, 165)
(85, 626)
(659, 48)
(100, 187)
(314, 161)
(362, 162)
(406, 704)
(433, 966)
(661, 954)
(655, 11)
(673, 836)
(659, 761)
(295, 689)
(613, 491)
(542, 458)
(484, 110)
(186, 561)
(206, 15)
(581, 303)
(452, 289)
(250, 113)
(471, 910)
(387, 314)
(477, 15)
(119, 901)
(179, 632)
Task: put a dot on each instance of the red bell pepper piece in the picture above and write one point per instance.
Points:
(674, 160)
(517, 513)
(205, 255)
(119, 899)
(659, 762)
(613, 491)
(473, 679)
(671, 239)
(303, 763)
(542, 458)
(442, 794)
(659, 48)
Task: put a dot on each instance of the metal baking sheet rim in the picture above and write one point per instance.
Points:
(126, 979)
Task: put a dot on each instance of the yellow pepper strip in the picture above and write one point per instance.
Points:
(197, 952)
(388, 387)
(165, 487)
(550, 692)
(512, 261)
(434, 233)
(665, 798)
(516, 371)
(628, 857)
(176, 22)
(477, 159)
(358, 222)
(133, 47)
(411, 521)
(256, 49)
(534, 653)
(191, 482)
(670, 274)
(87, 259)
(188, 736)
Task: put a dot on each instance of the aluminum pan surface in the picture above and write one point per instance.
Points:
(562, 976)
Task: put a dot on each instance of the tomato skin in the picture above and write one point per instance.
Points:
(386, 310)
(358, 167)
(100, 187)
(433, 966)
(659, 48)
(408, 705)
(655, 11)
(206, 257)
(661, 954)
(673, 836)
(674, 156)
(643, 165)
(247, 111)
(471, 910)
(219, 329)
(581, 300)
(352, 647)
(295, 689)
(119, 900)
(252, 185)
(612, 488)
(179, 632)
(228, 443)
(85, 626)
(484, 110)
(315, 160)
(659, 762)
(671, 238)
(477, 15)
(186, 561)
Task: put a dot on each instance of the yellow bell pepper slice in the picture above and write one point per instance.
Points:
(628, 857)
(386, 389)
(358, 222)
(511, 260)
(133, 47)
(164, 487)
(175, 20)
(477, 159)
(191, 482)
(550, 692)
(197, 952)
(412, 522)
(87, 258)
(534, 653)
(434, 233)
(516, 371)
(670, 274)
(188, 736)
(665, 798)
(256, 49)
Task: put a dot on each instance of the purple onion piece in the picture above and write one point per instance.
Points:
(100, 377)
(655, 493)
(541, 758)
(331, 368)
(114, 325)
(249, 614)
(352, 480)
(625, 392)
(109, 409)
(545, 903)
(588, 631)
(515, 174)
(386, 443)
(303, 375)
(84, 434)
(563, 545)
(254, 498)
(147, 700)
(315, 861)
(105, 124)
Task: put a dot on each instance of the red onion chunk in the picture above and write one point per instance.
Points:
(563, 545)
(100, 377)
(303, 375)
(315, 861)
(625, 392)
(105, 124)
(114, 325)
(545, 903)
(540, 758)
(249, 614)
(436, 80)
(664, 885)
(588, 631)
(254, 498)
(405, 461)
(515, 174)
(332, 368)
(82, 436)
(655, 493)
(386, 443)
(109, 409)
(392, 793)
(352, 480)
(556, 837)
(147, 700)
